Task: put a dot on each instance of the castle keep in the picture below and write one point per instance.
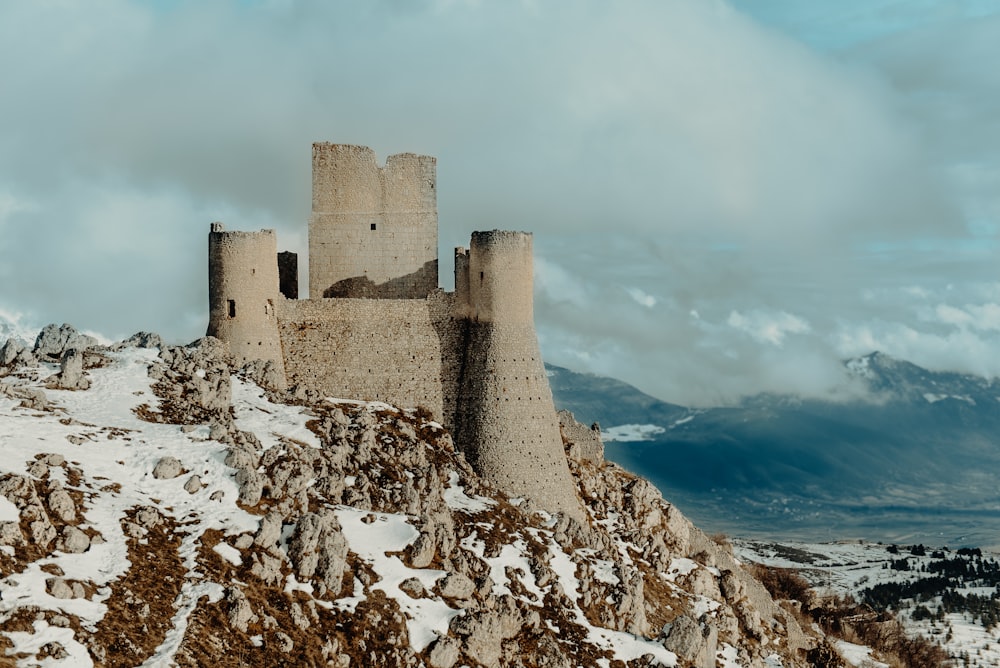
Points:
(377, 327)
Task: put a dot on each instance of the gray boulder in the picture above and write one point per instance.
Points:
(167, 467)
(14, 354)
(53, 341)
(140, 340)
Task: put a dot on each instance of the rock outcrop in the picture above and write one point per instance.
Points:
(360, 537)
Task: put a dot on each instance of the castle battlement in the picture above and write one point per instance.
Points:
(377, 327)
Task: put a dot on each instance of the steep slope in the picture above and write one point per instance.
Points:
(159, 508)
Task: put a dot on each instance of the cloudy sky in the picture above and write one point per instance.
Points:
(727, 197)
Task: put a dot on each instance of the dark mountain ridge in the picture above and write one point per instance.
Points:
(918, 455)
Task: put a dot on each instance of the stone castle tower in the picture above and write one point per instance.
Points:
(377, 327)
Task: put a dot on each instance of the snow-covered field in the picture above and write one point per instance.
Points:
(849, 568)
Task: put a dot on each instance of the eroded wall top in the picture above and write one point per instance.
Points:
(373, 230)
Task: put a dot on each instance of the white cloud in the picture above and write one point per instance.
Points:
(769, 328)
(641, 298)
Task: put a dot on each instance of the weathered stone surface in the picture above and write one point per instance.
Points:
(59, 588)
(317, 547)
(193, 485)
(269, 530)
(71, 375)
(140, 340)
(238, 610)
(588, 442)
(15, 354)
(73, 540)
(167, 467)
(445, 652)
(413, 588)
(456, 585)
(61, 505)
(53, 341)
(694, 641)
(10, 534)
(251, 486)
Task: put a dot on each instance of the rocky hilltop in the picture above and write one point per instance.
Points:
(158, 506)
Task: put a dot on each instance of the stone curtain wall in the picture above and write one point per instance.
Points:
(243, 293)
(404, 352)
(373, 230)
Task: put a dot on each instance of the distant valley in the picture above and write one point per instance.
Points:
(917, 460)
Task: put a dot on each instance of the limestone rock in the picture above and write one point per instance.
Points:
(148, 517)
(53, 341)
(445, 652)
(10, 534)
(413, 588)
(317, 547)
(193, 485)
(71, 375)
(269, 530)
(251, 486)
(694, 641)
(61, 505)
(238, 610)
(456, 585)
(167, 467)
(58, 588)
(14, 354)
(73, 540)
(140, 340)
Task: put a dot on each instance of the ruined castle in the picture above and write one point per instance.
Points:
(377, 327)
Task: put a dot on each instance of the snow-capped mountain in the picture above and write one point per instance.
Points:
(917, 459)
(13, 325)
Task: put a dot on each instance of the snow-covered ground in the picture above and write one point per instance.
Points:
(848, 568)
(94, 445)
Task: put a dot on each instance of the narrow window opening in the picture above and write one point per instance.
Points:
(373, 226)
(480, 276)
(232, 308)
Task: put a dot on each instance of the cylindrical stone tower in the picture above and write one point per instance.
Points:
(509, 430)
(242, 291)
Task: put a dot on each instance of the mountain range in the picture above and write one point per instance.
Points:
(915, 457)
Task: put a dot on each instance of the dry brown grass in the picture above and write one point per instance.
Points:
(130, 631)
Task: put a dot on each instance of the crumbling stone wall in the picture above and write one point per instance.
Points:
(405, 352)
(243, 293)
(373, 230)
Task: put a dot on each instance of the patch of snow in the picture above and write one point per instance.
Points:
(31, 643)
(457, 499)
(8, 511)
(426, 618)
(857, 655)
(727, 656)
(229, 553)
(269, 421)
(680, 566)
(627, 433)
